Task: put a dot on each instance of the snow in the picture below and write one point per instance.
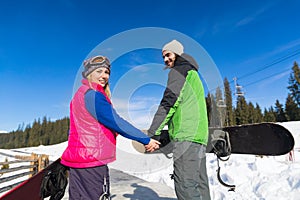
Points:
(259, 178)
(3, 131)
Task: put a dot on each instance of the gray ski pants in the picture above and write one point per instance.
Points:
(190, 175)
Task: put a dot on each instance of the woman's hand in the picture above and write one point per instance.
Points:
(152, 145)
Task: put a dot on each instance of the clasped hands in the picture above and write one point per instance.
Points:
(152, 145)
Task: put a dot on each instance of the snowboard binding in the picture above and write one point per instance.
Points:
(221, 144)
(222, 149)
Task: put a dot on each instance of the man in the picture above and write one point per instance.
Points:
(183, 109)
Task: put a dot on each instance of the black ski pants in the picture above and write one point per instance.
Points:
(87, 183)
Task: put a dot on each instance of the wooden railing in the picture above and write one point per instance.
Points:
(34, 163)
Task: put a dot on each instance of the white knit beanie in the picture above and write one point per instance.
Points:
(174, 46)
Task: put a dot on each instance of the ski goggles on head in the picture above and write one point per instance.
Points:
(93, 63)
(97, 60)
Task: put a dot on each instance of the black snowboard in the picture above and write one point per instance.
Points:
(257, 139)
(31, 188)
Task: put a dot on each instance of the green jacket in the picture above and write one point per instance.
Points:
(183, 106)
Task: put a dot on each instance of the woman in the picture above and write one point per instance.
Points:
(94, 125)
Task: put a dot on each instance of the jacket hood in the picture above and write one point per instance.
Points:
(188, 59)
(191, 60)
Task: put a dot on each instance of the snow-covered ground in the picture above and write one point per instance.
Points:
(266, 178)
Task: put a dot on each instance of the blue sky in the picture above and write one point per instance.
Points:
(43, 43)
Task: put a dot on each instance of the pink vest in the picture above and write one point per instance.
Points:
(90, 143)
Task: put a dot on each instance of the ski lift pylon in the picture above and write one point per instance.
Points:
(221, 103)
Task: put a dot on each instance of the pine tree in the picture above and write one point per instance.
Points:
(294, 83)
(279, 112)
(241, 111)
(251, 113)
(221, 108)
(229, 119)
(269, 115)
(258, 114)
(291, 108)
(34, 133)
(212, 111)
(42, 132)
(208, 106)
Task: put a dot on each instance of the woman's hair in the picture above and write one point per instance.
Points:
(107, 90)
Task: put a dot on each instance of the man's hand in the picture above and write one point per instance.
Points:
(152, 145)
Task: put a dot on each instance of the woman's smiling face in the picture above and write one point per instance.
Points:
(100, 76)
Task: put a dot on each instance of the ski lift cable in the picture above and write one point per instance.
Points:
(262, 79)
(278, 60)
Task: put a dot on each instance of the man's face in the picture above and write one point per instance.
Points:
(169, 58)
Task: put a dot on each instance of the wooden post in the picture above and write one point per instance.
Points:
(34, 157)
(43, 161)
